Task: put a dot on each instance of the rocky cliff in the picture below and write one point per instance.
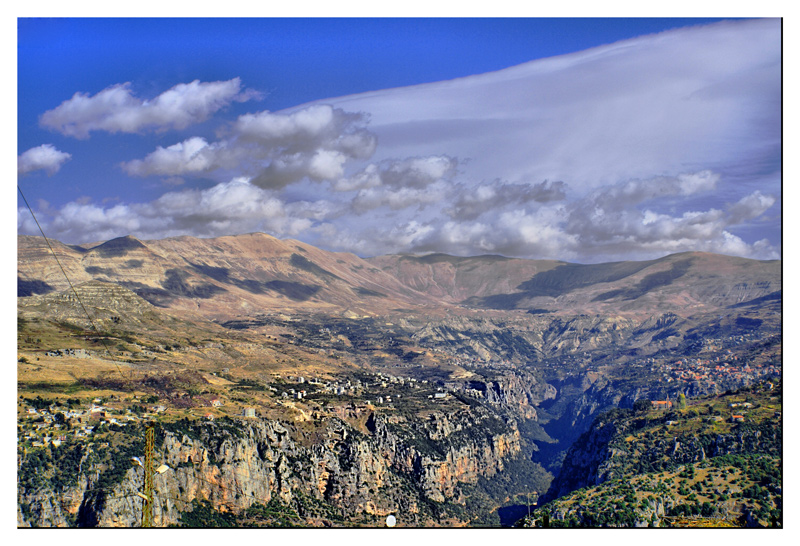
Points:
(396, 467)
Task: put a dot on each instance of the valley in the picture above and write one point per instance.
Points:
(290, 386)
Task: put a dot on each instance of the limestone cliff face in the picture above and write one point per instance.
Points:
(518, 390)
(236, 464)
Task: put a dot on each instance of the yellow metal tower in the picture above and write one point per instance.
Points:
(147, 508)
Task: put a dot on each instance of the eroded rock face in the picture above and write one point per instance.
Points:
(246, 462)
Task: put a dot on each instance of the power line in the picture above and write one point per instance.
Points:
(80, 301)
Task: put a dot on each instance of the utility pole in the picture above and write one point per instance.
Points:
(529, 505)
(147, 507)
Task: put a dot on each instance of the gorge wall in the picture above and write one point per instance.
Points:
(390, 468)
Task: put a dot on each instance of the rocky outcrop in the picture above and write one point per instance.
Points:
(235, 464)
(517, 390)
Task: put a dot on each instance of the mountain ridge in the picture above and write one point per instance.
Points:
(239, 274)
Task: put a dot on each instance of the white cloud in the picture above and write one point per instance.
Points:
(417, 172)
(369, 177)
(278, 129)
(188, 157)
(45, 158)
(116, 109)
(610, 222)
(274, 150)
(687, 99)
(398, 199)
(231, 207)
(626, 151)
(486, 197)
(749, 207)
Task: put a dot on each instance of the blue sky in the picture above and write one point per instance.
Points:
(578, 139)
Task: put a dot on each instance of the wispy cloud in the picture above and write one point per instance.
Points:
(42, 158)
(117, 110)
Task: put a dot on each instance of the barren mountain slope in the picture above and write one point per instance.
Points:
(220, 278)
(686, 283)
(246, 275)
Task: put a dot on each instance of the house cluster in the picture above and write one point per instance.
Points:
(475, 362)
(722, 369)
(54, 425)
(291, 393)
(77, 353)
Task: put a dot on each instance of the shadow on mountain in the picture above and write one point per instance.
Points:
(116, 248)
(298, 261)
(648, 283)
(31, 287)
(772, 298)
(175, 284)
(94, 270)
(293, 290)
(155, 296)
(221, 274)
(561, 280)
(437, 258)
(369, 293)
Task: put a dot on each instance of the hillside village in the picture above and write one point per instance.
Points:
(43, 421)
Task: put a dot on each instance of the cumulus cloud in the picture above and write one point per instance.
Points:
(398, 199)
(749, 207)
(412, 172)
(619, 220)
(417, 172)
(579, 230)
(191, 156)
(485, 197)
(42, 158)
(117, 110)
(620, 196)
(614, 222)
(235, 206)
(400, 184)
(275, 150)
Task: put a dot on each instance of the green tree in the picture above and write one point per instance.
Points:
(681, 401)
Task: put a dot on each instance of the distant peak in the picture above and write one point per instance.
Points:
(118, 247)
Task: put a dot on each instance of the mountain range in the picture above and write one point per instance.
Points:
(229, 277)
(451, 387)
